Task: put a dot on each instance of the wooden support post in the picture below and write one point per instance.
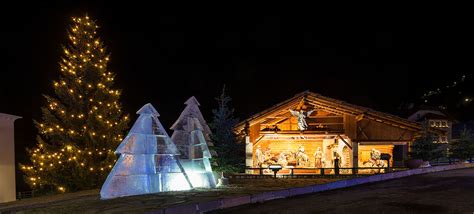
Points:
(388, 166)
(355, 156)
(355, 150)
(248, 154)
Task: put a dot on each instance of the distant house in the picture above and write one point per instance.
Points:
(437, 119)
(7, 158)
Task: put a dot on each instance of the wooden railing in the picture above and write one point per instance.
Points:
(325, 171)
(339, 170)
(25, 194)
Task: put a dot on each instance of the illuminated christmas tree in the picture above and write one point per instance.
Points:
(191, 135)
(148, 161)
(82, 121)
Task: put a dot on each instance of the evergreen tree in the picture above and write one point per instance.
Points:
(424, 148)
(230, 150)
(82, 122)
(463, 148)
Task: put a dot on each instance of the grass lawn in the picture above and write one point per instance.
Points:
(89, 201)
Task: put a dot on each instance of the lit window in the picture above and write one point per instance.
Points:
(444, 124)
(438, 123)
(432, 123)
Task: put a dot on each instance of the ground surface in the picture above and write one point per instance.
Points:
(442, 192)
(89, 202)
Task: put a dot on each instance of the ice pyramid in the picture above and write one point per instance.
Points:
(191, 134)
(148, 161)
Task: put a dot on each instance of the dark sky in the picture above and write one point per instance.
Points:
(262, 59)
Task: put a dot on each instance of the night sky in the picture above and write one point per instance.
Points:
(263, 60)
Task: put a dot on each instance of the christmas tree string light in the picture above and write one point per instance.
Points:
(77, 132)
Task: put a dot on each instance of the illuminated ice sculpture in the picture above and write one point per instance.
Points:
(191, 135)
(148, 161)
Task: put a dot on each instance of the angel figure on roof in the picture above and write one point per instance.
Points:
(301, 115)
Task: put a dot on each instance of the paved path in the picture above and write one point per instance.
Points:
(442, 192)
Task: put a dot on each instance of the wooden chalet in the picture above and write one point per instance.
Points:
(334, 127)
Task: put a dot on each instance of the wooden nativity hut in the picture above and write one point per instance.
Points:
(310, 131)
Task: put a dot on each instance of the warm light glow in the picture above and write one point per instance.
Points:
(84, 50)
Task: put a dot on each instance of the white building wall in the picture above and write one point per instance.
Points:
(7, 158)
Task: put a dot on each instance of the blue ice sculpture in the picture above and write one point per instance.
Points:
(191, 135)
(148, 161)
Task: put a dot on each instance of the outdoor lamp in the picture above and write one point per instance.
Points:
(275, 168)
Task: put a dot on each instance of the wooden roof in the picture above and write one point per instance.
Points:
(333, 106)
